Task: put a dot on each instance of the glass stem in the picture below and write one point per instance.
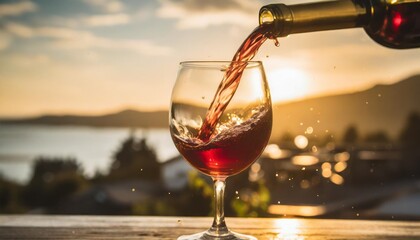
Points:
(219, 226)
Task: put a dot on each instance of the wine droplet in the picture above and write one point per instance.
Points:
(276, 42)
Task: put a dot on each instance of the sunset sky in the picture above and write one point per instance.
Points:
(98, 56)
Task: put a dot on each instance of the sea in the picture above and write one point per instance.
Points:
(92, 147)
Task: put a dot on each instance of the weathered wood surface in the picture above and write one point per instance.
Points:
(151, 228)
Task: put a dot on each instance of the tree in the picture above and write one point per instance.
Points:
(351, 135)
(377, 137)
(135, 160)
(287, 138)
(9, 197)
(410, 135)
(410, 140)
(53, 180)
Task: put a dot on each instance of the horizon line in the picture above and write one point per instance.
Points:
(162, 108)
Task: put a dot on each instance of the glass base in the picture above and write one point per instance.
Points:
(207, 236)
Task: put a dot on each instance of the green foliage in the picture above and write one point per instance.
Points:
(194, 201)
(10, 197)
(135, 160)
(252, 202)
(200, 185)
(52, 181)
(155, 207)
(198, 197)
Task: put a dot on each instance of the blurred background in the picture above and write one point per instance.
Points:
(84, 94)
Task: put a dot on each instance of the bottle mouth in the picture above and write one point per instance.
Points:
(266, 16)
(279, 17)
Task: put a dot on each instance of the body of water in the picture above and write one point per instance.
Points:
(92, 147)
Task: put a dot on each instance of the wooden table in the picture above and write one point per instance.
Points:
(111, 227)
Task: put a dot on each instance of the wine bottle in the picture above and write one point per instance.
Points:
(391, 23)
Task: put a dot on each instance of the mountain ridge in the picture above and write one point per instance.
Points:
(123, 118)
(382, 107)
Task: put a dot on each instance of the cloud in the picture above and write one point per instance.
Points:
(17, 8)
(107, 20)
(63, 33)
(18, 30)
(5, 40)
(143, 13)
(28, 59)
(110, 6)
(200, 5)
(201, 14)
(67, 38)
(100, 20)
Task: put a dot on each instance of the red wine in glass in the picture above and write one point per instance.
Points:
(231, 151)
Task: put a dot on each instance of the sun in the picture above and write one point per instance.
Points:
(287, 84)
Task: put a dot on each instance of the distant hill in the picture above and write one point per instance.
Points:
(126, 118)
(383, 107)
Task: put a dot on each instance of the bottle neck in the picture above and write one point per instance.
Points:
(311, 17)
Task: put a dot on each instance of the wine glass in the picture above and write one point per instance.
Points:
(227, 139)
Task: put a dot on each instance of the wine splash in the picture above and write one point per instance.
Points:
(223, 156)
(231, 79)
